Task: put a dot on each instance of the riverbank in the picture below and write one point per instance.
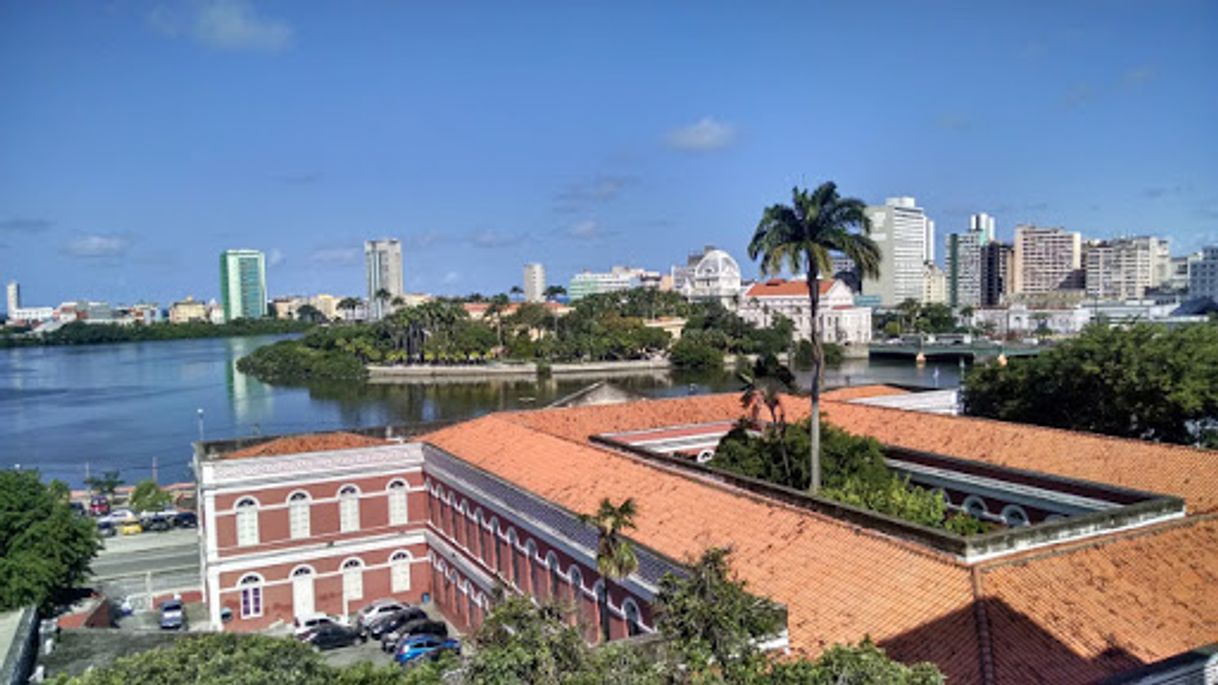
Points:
(80, 333)
(523, 370)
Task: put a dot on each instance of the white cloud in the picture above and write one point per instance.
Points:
(702, 135)
(450, 278)
(97, 245)
(588, 229)
(337, 255)
(223, 25)
(275, 258)
(492, 238)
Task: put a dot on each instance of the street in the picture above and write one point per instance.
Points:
(148, 562)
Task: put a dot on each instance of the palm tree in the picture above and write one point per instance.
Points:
(381, 297)
(498, 306)
(554, 291)
(802, 237)
(615, 557)
(349, 305)
(764, 386)
(105, 484)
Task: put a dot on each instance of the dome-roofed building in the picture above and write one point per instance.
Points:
(714, 275)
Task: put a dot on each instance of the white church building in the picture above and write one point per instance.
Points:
(840, 321)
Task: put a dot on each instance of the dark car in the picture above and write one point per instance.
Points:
(419, 647)
(106, 529)
(99, 506)
(384, 624)
(173, 616)
(186, 519)
(156, 523)
(392, 640)
(332, 636)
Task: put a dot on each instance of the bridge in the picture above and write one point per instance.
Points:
(971, 351)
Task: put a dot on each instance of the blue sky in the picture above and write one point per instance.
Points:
(138, 139)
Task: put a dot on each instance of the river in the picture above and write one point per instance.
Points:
(66, 410)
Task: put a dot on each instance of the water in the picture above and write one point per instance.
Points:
(120, 406)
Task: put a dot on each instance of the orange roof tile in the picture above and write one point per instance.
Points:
(297, 444)
(777, 287)
(858, 392)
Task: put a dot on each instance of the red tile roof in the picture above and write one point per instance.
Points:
(777, 287)
(858, 392)
(298, 444)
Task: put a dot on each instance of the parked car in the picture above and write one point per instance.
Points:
(331, 636)
(131, 527)
(106, 529)
(392, 641)
(186, 519)
(99, 506)
(156, 523)
(119, 516)
(305, 624)
(77, 508)
(377, 627)
(380, 607)
(173, 616)
(420, 647)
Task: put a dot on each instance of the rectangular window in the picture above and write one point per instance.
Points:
(401, 576)
(348, 513)
(397, 506)
(353, 583)
(251, 601)
(247, 526)
(298, 513)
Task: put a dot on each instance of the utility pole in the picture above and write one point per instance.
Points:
(154, 478)
(200, 424)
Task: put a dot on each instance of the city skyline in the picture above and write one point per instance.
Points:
(119, 205)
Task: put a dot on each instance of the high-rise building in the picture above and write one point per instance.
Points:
(534, 282)
(963, 268)
(1047, 259)
(13, 299)
(384, 262)
(617, 278)
(934, 284)
(996, 282)
(984, 224)
(243, 284)
(1122, 269)
(1203, 275)
(900, 229)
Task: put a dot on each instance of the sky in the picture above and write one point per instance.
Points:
(139, 139)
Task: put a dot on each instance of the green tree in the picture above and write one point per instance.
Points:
(45, 548)
(764, 386)
(309, 313)
(148, 496)
(554, 291)
(349, 305)
(862, 664)
(690, 353)
(105, 484)
(802, 237)
(615, 556)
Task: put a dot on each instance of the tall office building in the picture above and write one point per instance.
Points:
(963, 267)
(384, 262)
(901, 229)
(996, 282)
(243, 284)
(984, 224)
(1203, 275)
(534, 282)
(1047, 259)
(1122, 269)
(13, 299)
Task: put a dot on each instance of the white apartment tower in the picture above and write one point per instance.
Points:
(984, 224)
(1046, 259)
(384, 262)
(534, 282)
(1123, 269)
(13, 299)
(1203, 275)
(905, 238)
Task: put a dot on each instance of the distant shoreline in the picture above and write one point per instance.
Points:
(426, 372)
(79, 333)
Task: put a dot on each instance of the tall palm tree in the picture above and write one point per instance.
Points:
(802, 237)
(764, 386)
(615, 557)
(349, 305)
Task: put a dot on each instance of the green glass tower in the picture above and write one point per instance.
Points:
(243, 284)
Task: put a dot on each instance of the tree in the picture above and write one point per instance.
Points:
(499, 305)
(764, 386)
(105, 484)
(349, 305)
(615, 557)
(802, 237)
(554, 291)
(45, 548)
(309, 313)
(148, 496)
(516, 290)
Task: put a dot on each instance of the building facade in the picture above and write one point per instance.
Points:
(383, 259)
(715, 276)
(963, 268)
(996, 283)
(243, 284)
(534, 282)
(1123, 269)
(934, 284)
(617, 278)
(837, 317)
(12, 293)
(185, 311)
(901, 230)
(1046, 259)
(985, 225)
(1203, 275)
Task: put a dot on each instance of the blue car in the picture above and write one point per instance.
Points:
(418, 647)
(173, 617)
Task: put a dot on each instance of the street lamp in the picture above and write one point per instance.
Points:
(200, 424)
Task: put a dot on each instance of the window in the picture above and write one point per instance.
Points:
(353, 579)
(602, 609)
(298, 515)
(348, 509)
(555, 576)
(251, 596)
(975, 506)
(302, 591)
(471, 531)
(399, 571)
(514, 554)
(530, 558)
(473, 607)
(633, 626)
(479, 548)
(247, 522)
(1014, 515)
(498, 545)
(577, 584)
(397, 503)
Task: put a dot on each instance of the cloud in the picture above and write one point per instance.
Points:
(597, 190)
(1156, 192)
(701, 136)
(1137, 76)
(232, 25)
(953, 122)
(495, 239)
(24, 225)
(275, 258)
(343, 256)
(450, 278)
(98, 246)
(1078, 95)
(587, 230)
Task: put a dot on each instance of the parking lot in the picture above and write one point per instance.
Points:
(149, 563)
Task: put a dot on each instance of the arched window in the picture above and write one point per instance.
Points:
(633, 626)
(251, 595)
(478, 547)
(398, 514)
(555, 574)
(498, 544)
(348, 509)
(471, 530)
(472, 604)
(302, 591)
(247, 521)
(353, 579)
(602, 609)
(975, 506)
(530, 558)
(1014, 515)
(514, 554)
(298, 515)
(576, 579)
(399, 571)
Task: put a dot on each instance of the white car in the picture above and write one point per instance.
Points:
(304, 624)
(119, 516)
(378, 608)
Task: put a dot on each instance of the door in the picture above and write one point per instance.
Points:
(302, 591)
